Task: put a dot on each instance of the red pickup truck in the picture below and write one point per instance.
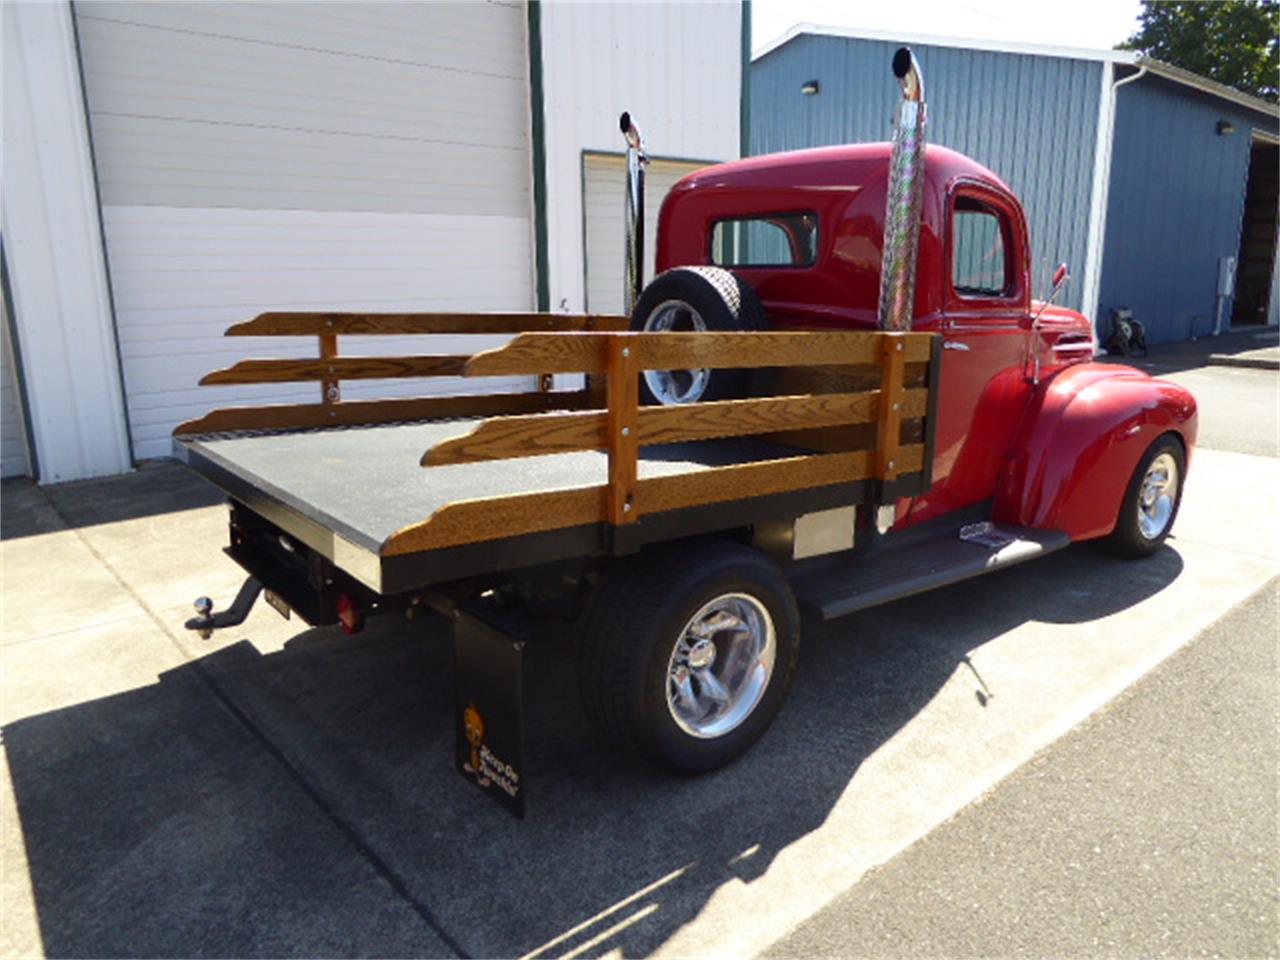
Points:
(838, 391)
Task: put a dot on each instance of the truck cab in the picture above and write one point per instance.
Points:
(805, 231)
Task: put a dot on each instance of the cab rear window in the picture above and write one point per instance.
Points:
(979, 267)
(767, 240)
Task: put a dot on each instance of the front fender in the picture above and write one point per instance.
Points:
(1084, 431)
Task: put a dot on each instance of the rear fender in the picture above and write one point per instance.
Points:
(1083, 434)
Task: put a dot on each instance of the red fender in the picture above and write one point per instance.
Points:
(1081, 438)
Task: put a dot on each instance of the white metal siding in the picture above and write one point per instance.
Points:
(314, 106)
(312, 156)
(13, 433)
(183, 275)
(604, 178)
(53, 251)
(677, 68)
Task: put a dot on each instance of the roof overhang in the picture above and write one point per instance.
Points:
(1119, 57)
(936, 40)
(1188, 79)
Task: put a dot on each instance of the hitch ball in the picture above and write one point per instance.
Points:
(204, 607)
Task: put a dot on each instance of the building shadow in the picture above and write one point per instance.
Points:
(1192, 354)
(248, 804)
(157, 487)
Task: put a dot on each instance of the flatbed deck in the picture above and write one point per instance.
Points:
(402, 494)
(364, 483)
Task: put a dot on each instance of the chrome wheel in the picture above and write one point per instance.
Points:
(721, 665)
(676, 386)
(1157, 496)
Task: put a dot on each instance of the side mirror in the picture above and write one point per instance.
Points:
(1060, 278)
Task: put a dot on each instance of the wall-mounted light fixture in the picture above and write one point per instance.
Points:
(1225, 127)
(809, 87)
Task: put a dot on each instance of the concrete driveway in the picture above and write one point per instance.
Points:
(284, 791)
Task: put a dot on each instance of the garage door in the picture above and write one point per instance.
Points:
(604, 182)
(13, 434)
(309, 156)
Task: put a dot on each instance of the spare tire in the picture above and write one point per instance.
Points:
(688, 299)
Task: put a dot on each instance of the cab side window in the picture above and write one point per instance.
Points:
(979, 265)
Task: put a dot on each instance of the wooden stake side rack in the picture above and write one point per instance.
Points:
(542, 422)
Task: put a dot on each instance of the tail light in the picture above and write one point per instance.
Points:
(349, 615)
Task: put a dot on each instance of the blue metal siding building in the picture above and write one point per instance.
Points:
(988, 105)
(1175, 205)
(1131, 185)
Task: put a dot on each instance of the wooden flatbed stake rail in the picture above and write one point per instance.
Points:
(623, 391)
(285, 324)
(501, 438)
(541, 422)
(892, 357)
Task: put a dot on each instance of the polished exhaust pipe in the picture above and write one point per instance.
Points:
(633, 243)
(905, 197)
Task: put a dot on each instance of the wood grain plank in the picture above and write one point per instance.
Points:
(737, 418)
(622, 392)
(330, 391)
(534, 353)
(349, 412)
(340, 368)
(290, 324)
(492, 518)
(527, 436)
(889, 423)
(762, 478)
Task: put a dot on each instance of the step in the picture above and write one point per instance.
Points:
(892, 573)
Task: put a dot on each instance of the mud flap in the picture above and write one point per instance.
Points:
(488, 683)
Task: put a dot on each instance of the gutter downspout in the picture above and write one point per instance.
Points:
(1101, 191)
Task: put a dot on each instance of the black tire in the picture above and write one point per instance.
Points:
(1135, 534)
(630, 632)
(720, 301)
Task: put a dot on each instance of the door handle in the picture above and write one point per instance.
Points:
(954, 345)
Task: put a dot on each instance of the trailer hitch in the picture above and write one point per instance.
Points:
(234, 615)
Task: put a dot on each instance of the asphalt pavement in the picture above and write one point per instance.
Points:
(1149, 831)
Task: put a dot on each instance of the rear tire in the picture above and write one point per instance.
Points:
(688, 652)
(1151, 500)
(688, 299)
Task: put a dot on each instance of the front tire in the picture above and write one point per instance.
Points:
(1151, 500)
(688, 652)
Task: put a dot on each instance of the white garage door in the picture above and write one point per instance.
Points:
(305, 156)
(604, 183)
(13, 433)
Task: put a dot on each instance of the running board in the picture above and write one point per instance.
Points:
(897, 572)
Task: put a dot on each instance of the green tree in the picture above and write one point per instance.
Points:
(1231, 41)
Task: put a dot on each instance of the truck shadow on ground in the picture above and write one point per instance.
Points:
(302, 802)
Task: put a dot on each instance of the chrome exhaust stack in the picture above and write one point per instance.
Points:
(905, 197)
(633, 242)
